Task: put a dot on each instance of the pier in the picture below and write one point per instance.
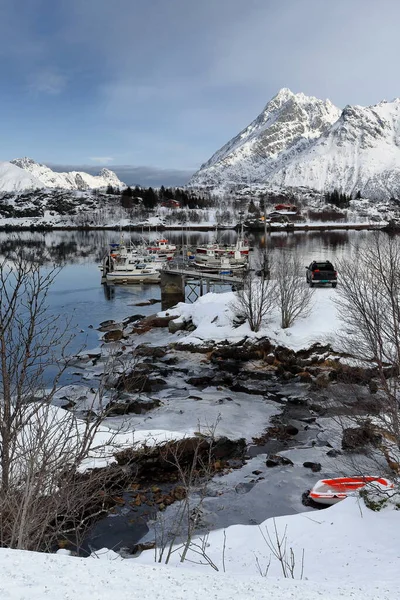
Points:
(181, 282)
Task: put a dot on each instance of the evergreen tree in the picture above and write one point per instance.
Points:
(150, 198)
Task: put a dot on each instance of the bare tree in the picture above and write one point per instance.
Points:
(42, 490)
(294, 296)
(255, 300)
(369, 305)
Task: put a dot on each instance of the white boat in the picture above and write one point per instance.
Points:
(162, 247)
(237, 253)
(131, 264)
(222, 265)
(331, 491)
(133, 272)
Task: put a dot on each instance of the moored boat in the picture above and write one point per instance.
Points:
(331, 491)
(163, 247)
(131, 264)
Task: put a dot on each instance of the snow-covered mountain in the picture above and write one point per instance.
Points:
(73, 180)
(300, 141)
(15, 179)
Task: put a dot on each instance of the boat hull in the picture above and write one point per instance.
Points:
(331, 491)
(127, 277)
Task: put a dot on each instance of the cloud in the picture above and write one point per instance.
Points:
(101, 159)
(47, 81)
(142, 175)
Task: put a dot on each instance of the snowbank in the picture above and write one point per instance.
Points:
(37, 576)
(347, 542)
(213, 316)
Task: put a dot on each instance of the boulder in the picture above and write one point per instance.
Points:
(156, 321)
(315, 467)
(115, 335)
(175, 325)
(275, 460)
(137, 405)
(333, 453)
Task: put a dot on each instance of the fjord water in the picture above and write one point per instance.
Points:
(78, 294)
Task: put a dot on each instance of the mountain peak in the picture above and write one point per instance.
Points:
(75, 180)
(24, 162)
(299, 141)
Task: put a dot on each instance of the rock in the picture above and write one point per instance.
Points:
(106, 323)
(291, 430)
(137, 406)
(224, 448)
(155, 321)
(315, 467)
(132, 319)
(333, 453)
(275, 460)
(150, 351)
(270, 359)
(115, 335)
(148, 302)
(305, 377)
(356, 438)
(175, 325)
(202, 380)
(257, 472)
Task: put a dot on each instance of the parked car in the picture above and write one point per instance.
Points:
(321, 272)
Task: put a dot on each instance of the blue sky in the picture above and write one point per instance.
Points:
(151, 88)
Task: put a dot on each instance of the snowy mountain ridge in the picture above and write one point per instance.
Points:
(73, 180)
(301, 141)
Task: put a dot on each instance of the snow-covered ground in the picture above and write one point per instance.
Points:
(350, 552)
(213, 316)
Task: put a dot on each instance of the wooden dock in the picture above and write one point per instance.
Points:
(190, 273)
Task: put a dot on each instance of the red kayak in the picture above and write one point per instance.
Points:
(330, 491)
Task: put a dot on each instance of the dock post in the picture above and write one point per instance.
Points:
(172, 289)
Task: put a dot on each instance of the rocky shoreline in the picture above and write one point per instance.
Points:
(301, 393)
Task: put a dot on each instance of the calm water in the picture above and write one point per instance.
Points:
(78, 293)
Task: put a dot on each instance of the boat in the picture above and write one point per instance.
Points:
(331, 491)
(131, 264)
(223, 265)
(238, 253)
(132, 272)
(162, 247)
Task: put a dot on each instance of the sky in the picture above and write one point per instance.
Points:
(152, 88)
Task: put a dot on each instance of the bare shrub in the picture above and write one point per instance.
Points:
(294, 296)
(255, 300)
(278, 546)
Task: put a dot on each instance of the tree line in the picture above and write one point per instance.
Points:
(151, 197)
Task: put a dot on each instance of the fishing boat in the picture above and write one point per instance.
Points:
(237, 253)
(133, 271)
(331, 491)
(222, 265)
(131, 264)
(162, 247)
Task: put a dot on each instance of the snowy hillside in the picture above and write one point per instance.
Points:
(73, 180)
(299, 141)
(14, 179)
